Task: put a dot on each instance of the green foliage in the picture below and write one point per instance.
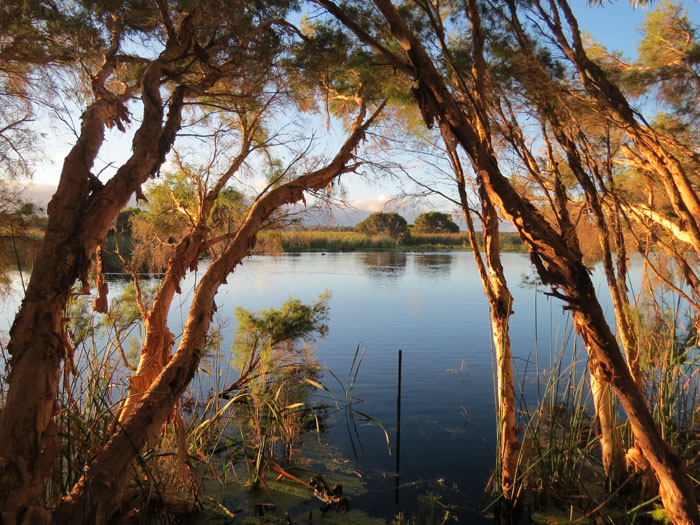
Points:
(352, 241)
(435, 222)
(560, 434)
(669, 58)
(119, 244)
(391, 224)
(560, 452)
(669, 359)
(294, 321)
(328, 60)
(89, 392)
(276, 376)
(173, 209)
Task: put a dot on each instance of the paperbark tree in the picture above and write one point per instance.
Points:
(653, 147)
(492, 276)
(549, 178)
(493, 281)
(604, 93)
(83, 209)
(158, 340)
(93, 497)
(557, 264)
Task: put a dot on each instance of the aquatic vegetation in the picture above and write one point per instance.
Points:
(350, 241)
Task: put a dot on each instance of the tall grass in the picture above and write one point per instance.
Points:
(91, 388)
(670, 365)
(560, 471)
(349, 241)
(559, 441)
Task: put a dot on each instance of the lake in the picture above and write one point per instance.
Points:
(431, 306)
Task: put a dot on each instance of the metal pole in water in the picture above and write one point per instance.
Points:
(398, 428)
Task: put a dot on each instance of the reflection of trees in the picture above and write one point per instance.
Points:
(433, 264)
(384, 266)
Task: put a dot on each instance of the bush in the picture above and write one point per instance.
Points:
(391, 224)
(435, 222)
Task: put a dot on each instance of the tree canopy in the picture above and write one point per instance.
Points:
(391, 224)
(435, 222)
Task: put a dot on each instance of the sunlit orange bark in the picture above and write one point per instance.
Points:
(500, 302)
(650, 144)
(555, 263)
(493, 277)
(155, 351)
(94, 497)
(80, 214)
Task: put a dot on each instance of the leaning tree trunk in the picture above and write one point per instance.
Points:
(96, 495)
(556, 264)
(610, 438)
(80, 214)
(158, 340)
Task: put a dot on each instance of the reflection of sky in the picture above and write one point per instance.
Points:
(432, 307)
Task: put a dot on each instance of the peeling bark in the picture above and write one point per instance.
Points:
(80, 215)
(95, 496)
(556, 264)
(500, 307)
(28, 434)
(158, 341)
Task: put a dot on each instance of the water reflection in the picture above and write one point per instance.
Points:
(434, 265)
(385, 267)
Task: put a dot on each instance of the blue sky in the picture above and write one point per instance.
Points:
(615, 25)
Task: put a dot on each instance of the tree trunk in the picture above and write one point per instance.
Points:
(508, 434)
(28, 434)
(96, 495)
(555, 263)
(610, 438)
(500, 303)
(500, 306)
(609, 435)
(80, 214)
(155, 351)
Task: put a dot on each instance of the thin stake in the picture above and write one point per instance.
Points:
(398, 428)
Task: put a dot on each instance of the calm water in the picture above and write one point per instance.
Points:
(431, 306)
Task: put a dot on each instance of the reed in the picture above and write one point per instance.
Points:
(312, 240)
(91, 387)
(351, 241)
(560, 472)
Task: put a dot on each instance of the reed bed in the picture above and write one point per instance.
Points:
(560, 472)
(351, 241)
